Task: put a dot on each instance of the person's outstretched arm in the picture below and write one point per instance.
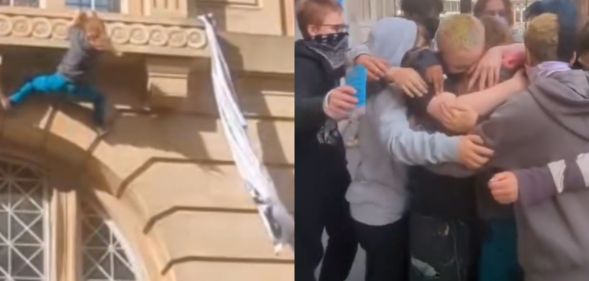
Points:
(538, 184)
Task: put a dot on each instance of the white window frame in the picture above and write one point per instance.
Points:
(42, 4)
(123, 9)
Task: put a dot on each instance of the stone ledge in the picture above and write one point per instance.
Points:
(153, 36)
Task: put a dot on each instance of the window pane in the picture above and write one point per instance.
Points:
(22, 217)
(113, 6)
(104, 257)
(26, 3)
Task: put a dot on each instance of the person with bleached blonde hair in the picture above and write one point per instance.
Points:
(88, 39)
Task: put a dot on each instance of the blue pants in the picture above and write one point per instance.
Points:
(59, 85)
(499, 253)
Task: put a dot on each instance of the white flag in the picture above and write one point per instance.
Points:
(278, 221)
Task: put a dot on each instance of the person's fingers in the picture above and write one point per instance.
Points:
(483, 151)
(497, 75)
(382, 65)
(346, 101)
(499, 177)
(446, 111)
(353, 100)
(475, 76)
(502, 191)
(348, 90)
(349, 102)
(416, 85)
(476, 139)
(373, 76)
(414, 90)
(478, 160)
(483, 78)
(373, 70)
(488, 80)
(407, 91)
(421, 85)
(495, 184)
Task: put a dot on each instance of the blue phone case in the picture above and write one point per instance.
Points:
(357, 79)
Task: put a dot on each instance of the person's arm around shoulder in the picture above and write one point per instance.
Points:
(388, 113)
(460, 114)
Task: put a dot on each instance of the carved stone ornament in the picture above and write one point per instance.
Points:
(130, 34)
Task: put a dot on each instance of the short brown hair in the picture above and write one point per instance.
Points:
(541, 37)
(479, 8)
(311, 12)
(460, 32)
(497, 33)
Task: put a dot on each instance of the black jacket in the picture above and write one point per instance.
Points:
(313, 80)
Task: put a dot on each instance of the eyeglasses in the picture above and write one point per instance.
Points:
(338, 27)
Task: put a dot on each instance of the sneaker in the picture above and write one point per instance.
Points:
(101, 131)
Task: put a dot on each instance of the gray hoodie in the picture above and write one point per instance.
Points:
(548, 122)
(378, 194)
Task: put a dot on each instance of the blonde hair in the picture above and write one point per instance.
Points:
(460, 32)
(96, 32)
(541, 37)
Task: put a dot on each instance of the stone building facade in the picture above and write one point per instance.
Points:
(159, 198)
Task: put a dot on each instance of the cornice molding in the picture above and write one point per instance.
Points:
(130, 36)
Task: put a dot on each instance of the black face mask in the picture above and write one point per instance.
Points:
(332, 47)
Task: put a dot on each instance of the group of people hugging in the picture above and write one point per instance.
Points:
(473, 149)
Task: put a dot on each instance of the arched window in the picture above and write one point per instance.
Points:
(32, 236)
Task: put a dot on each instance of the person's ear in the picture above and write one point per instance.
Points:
(312, 30)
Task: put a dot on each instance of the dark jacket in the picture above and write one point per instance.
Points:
(432, 194)
(313, 80)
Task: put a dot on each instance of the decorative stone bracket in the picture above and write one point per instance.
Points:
(171, 43)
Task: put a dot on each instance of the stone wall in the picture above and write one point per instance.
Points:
(166, 175)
